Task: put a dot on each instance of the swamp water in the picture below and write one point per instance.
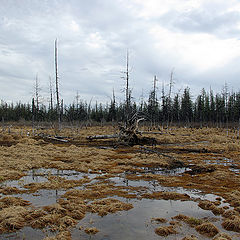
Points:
(133, 224)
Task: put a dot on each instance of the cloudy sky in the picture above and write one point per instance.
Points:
(199, 39)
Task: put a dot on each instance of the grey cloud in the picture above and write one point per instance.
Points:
(29, 28)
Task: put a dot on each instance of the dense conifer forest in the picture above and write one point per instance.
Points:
(206, 108)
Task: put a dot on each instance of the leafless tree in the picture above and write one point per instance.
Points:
(57, 86)
(51, 93)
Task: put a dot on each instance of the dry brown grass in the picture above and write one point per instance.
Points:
(13, 201)
(13, 218)
(232, 147)
(191, 221)
(167, 196)
(26, 153)
(218, 139)
(232, 224)
(165, 231)
(230, 213)
(159, 220)
(108, 205)
(11, 190)
(63, 235)
(192, 237)
(91, 230)
(222, 236)
(207, 229)
(206, 205)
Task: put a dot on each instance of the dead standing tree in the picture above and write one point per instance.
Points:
(57, 86)
(128, 131)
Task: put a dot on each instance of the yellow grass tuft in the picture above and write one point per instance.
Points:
(92, 230)
(192, 237)
(191, 221)
(63, 235)
(13, 218)
(108, 205)
(167, 196)
(232, 224)
(222, 236)
(165, 231)
(230, 213)
(159, 220)
(207, 229)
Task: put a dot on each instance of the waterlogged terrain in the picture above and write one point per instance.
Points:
(184, 186)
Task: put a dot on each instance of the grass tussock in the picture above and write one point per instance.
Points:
(218, 139)
(11, 190)
(55, 209)
(232, 224)
(207, 229)
(192, 237)
(92, 230)
(63, 235)
(13, 201)
(75, 208)
(206, 205)
(159, 220)
(230, 213)
(191, 221)
(165, 231)
(108, 205)
(167, 196)
(222, 236)
(232, 147)
(13, 218)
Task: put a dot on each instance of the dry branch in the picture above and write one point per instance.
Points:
(103, 136)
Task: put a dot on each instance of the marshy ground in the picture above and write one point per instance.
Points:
(185, 185)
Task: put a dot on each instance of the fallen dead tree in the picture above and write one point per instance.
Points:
(103, 136)
(53, 138)
(128, 133)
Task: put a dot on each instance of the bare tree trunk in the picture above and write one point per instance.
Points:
(57, 90)
(127, 90)
(51, 93)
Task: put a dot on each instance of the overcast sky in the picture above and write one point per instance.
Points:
(199, 39)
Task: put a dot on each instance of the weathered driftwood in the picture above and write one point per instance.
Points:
(160, 133)
(103, 136)
(128, 132)
(54, 138)
(57, 139)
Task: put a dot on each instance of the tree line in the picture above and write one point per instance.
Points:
(179, 108)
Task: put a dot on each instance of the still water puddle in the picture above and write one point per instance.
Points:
(133, 224)
(42, 174)
(223, 162)
(166, 172)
